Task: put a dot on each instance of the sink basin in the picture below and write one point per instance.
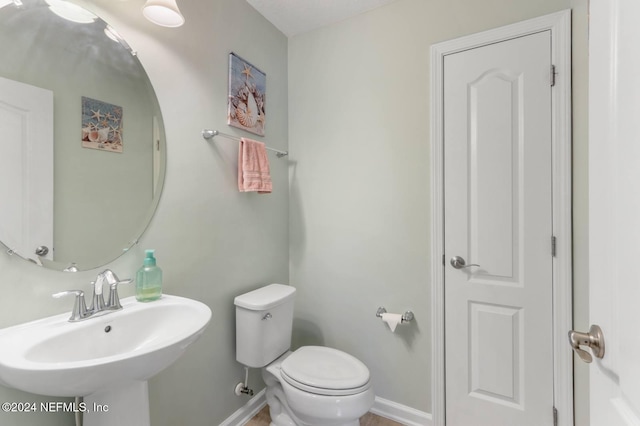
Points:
(114, 353)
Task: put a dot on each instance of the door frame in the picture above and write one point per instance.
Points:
(560, 26)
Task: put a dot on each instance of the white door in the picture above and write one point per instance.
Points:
(498, 219)
(26, 168)
(614, 208)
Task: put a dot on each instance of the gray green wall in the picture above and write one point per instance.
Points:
(360, 186)
(350, 235)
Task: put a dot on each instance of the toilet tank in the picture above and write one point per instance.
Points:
(264, 319)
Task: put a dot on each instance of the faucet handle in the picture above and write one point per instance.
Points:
(79, 311)
(114, 299)
(97, 300)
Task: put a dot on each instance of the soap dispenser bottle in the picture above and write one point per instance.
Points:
(149, 279)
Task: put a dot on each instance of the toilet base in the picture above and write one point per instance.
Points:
(280, 414)
(313, 410)
(280, 418)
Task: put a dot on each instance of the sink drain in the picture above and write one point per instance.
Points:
(107, 329)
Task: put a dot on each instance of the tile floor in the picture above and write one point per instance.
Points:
(263, 419)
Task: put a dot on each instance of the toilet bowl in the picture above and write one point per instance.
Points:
(318, 386)
(313, 385)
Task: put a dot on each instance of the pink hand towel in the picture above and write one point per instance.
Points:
(253, 167)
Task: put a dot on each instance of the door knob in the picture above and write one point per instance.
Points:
(594, 339)
(459, 263)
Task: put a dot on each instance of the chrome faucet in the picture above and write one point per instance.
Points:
(98, 306)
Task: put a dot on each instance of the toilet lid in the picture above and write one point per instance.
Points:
(325, 371)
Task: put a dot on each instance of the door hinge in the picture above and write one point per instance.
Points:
(553, 246)
(444, 263)
(553, 75)
(555, 416)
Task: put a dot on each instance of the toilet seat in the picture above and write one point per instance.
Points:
(325, 371)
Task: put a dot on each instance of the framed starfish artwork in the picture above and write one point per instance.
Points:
(101, 125)
(247, 95)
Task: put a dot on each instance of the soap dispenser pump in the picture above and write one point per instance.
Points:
(149, 279)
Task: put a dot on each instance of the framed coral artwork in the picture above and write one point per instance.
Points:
(247, 92)
(101, 125)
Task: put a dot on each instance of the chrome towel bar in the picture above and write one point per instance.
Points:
(210, 134)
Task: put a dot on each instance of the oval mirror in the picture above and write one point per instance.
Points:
(83, 145)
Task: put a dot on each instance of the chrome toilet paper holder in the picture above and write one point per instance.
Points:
(406, 317)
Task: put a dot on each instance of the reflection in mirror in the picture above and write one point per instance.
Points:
(83, 145)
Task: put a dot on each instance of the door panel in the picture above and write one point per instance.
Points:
(614, 209)
(498, 215)
(496, 352)
(493, 120)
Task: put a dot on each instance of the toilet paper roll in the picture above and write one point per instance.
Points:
(392, 320)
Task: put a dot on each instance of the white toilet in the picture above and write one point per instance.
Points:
(314, 385)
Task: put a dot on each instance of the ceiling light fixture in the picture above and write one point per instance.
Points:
(163, 12)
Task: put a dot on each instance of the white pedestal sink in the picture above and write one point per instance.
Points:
(106, 359)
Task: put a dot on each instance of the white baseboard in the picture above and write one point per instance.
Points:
(247, 411)
(382, 407)
(400, 413)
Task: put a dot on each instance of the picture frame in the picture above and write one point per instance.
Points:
(101, 125)
(247, 96)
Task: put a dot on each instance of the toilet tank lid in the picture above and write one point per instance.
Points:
(265, 297)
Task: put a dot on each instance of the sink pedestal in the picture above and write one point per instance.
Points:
(127, 404)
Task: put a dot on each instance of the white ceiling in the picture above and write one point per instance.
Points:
(298, 16)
